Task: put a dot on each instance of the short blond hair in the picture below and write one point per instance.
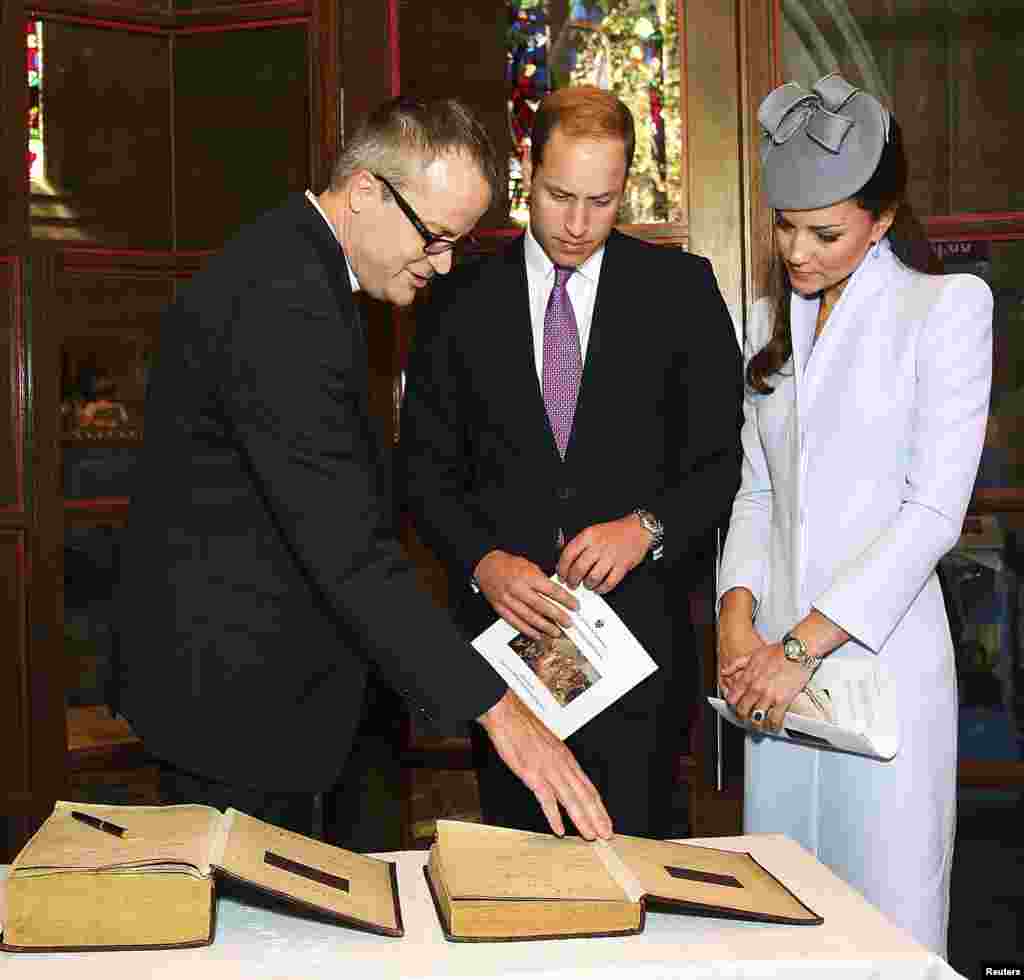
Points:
(582, 112)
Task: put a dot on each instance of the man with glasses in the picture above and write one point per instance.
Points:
(262, 576)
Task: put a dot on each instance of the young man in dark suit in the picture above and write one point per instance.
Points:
(262, 574)
(574, 404)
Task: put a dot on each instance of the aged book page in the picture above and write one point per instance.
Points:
(153, 836)
(703, 876)
(495, 862)
(510, 918)
(309, 871)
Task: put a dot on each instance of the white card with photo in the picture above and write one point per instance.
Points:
(568, 680)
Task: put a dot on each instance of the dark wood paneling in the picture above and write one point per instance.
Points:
(106, 133)
(14, 106)
(13, 726)
(986, 79)
(12, 388)
(365, 60)
(241, 124)
(459, 50)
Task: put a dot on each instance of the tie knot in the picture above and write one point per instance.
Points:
(562, 274)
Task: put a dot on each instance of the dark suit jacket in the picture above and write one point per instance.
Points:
(657, 426)
(261, 572)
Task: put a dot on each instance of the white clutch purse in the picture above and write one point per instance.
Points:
(814, 702)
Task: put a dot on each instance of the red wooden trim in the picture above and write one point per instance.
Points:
(393, 49)
(299, 6)
(990, 773)
(989, 226)
(977, 217)
(246, 26)
(117, 25)
(18, 385)
(302, 16)
(503, 233)
(997, 500)
(116, 252)
(95, 509)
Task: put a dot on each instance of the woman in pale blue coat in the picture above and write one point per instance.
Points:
(867, 398)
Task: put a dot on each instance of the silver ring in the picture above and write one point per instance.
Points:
(758, 715)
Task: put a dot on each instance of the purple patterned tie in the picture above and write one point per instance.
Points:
(563, 364)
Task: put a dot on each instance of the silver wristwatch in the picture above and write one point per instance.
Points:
(795, 650)
(655, 528)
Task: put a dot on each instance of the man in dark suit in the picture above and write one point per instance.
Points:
(574, 404)
(262, 575)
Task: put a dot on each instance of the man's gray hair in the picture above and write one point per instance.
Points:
(404, 135)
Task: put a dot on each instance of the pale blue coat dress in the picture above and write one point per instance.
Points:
(857, 472)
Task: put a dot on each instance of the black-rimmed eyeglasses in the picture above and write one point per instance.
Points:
(432, 244)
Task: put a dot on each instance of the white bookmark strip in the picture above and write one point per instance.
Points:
(618, 870)
(219, 838)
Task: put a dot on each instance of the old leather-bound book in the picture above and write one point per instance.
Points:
(492, 883)
(127, 877)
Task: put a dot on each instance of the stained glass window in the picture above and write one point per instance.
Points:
(34, 57)
(627, 46)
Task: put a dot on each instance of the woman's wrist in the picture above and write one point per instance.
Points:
(819, 634)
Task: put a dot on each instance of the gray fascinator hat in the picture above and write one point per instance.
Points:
(819, 147)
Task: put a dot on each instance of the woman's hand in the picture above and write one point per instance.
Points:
(765, 681)
(737, 638)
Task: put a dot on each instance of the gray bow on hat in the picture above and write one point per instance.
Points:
(791, 106)
(826, 166)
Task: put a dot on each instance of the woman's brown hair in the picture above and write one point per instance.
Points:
(886, 188)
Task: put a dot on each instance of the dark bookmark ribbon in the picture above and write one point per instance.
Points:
(707, 877)
(305, 871)
(97, 824)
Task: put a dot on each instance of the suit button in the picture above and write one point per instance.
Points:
(566, 493)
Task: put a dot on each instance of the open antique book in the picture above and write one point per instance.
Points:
(568, 680)
(851, 708)
(492, 883)
(125, 877)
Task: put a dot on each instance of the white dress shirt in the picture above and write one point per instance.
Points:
(582, 289)
(311, 197)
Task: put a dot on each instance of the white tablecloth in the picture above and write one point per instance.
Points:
(854, 943)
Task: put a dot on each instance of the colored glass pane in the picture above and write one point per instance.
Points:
(34, 66)
(627, 46)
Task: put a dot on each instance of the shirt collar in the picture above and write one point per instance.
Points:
(537, 260)
(353, 280)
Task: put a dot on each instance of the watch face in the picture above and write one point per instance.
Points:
(793, 649)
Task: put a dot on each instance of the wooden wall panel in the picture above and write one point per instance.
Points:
(242, 127)
(12, 389)
(14, 106)
(106, 132)
(459, 50)
(986, 78)
(13, 727)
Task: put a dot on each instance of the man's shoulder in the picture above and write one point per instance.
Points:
(475, 276)
(277, 232)
(629, 250)
(278, 245)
